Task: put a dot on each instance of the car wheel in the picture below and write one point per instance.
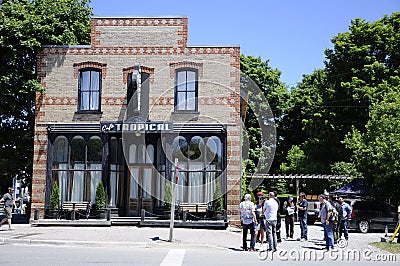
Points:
(363, 226)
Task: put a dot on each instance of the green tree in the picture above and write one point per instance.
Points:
(218, 202)
(376, 151)
(55, 197)
(360, 69)
(100, 197)
(25, 26)
(267, 79)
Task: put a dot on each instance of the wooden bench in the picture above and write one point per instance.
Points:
(72, 207)
(193, 207)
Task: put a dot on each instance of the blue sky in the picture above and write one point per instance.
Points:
(291, 34)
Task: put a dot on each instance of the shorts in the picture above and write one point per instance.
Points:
(8, 211)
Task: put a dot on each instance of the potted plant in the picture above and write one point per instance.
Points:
(100, 204)
(218, 202)
(54, 201)
(168, 199)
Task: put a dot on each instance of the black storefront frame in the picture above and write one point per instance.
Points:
(55, 131)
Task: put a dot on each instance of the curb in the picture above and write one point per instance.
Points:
(74, 243)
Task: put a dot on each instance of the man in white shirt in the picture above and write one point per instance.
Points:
(270, 210)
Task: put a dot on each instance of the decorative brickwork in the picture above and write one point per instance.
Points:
(143, 69)
(90, 64)
(185, 64)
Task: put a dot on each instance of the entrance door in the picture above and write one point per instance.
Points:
(140, 189)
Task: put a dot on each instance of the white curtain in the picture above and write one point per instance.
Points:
(95, 88)
(195, 188)
(147, 180)
(114, 182)
(132, 153)
(63, 182)
(85, 87)
(150, 154)
(180, 188)
(77, 182)
(95, 177)
(133, 187)
(210, 183)
(159, 184)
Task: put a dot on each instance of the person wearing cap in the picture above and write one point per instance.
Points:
(249, 220)
(289, 208)
(9, 203)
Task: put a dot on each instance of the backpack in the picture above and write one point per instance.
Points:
(334, 214)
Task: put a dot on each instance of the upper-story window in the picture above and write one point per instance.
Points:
(186, 90)
(89, 90)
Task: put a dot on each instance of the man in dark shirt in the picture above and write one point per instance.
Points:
(302, 206)
(8, 206)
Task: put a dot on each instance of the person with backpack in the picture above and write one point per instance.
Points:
(337, 212)
(326, 213)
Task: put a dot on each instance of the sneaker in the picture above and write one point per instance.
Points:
(303, 239)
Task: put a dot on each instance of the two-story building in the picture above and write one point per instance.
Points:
(122, 109)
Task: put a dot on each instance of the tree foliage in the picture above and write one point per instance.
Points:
(100, 196)
(266, 102)
(25, 26)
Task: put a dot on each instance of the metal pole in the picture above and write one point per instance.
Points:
(171, 223)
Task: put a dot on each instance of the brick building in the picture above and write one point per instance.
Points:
(122, 109)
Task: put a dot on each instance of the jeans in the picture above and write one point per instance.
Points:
(271, 234)
(303, 227)
(328, 235)
(289, 222)
(246, 227)
(343, 229)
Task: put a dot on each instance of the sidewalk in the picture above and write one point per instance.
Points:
(118, 236)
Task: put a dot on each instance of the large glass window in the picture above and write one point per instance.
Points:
(200, 165)
(89, 90)
(77, 167)
(186, 90)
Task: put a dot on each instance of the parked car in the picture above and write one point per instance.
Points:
(313, 208)
(372, 215)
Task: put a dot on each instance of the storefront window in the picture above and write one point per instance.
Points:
(199, 167)
(77, 167)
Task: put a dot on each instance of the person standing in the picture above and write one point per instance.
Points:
(270, 210)
(9, 203)
(260, 219)
(346, 214)
(335, 223)
(302, 206)
(289, 208)
(248, 218)
(278, 216)
(325, 213)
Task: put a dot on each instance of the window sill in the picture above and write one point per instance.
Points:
(184, 116)
(87, 116)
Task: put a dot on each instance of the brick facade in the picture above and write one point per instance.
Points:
(159, 46)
